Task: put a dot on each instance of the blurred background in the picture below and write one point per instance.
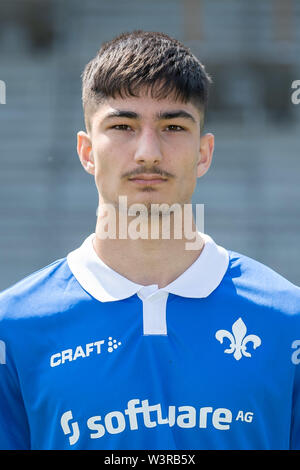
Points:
(252, 190)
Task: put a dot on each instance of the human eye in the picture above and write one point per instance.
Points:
(175, 128)
(121, 127)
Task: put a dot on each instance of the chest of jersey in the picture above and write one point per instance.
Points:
(99, 382)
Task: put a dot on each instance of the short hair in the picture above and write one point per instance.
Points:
(141, 59)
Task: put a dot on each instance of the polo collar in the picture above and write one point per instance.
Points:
(106, 285)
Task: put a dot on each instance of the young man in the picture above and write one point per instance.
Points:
(138, 342)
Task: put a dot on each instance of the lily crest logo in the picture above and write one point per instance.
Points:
(238, 340)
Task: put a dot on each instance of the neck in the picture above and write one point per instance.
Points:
(148, 260)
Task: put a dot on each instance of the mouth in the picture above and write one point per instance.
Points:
(148, 179)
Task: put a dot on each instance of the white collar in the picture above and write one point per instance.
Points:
(106, 285)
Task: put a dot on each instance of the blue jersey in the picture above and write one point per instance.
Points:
(92, 360)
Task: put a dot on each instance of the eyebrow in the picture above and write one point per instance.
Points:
(159, 116)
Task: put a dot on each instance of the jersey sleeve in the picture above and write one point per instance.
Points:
(14, 429)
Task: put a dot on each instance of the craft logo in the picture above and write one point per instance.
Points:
(87, 350)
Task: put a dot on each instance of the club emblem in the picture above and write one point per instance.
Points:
(238, 340)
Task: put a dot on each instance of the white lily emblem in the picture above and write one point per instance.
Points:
(238, 340)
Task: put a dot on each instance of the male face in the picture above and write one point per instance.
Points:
(146, 149)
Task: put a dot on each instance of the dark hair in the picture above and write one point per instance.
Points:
(142, 59)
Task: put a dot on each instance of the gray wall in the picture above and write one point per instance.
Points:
(251, 192)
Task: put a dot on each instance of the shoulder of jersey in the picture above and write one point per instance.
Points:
(36, 293)
(262, 284)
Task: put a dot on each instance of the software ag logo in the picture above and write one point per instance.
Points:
(73, 431)
(141, 414)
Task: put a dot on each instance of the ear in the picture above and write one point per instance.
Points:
(207, 143)
(84, 150)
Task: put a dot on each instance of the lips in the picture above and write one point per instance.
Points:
(148, 179)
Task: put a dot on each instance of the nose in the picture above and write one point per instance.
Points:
(148, 150)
